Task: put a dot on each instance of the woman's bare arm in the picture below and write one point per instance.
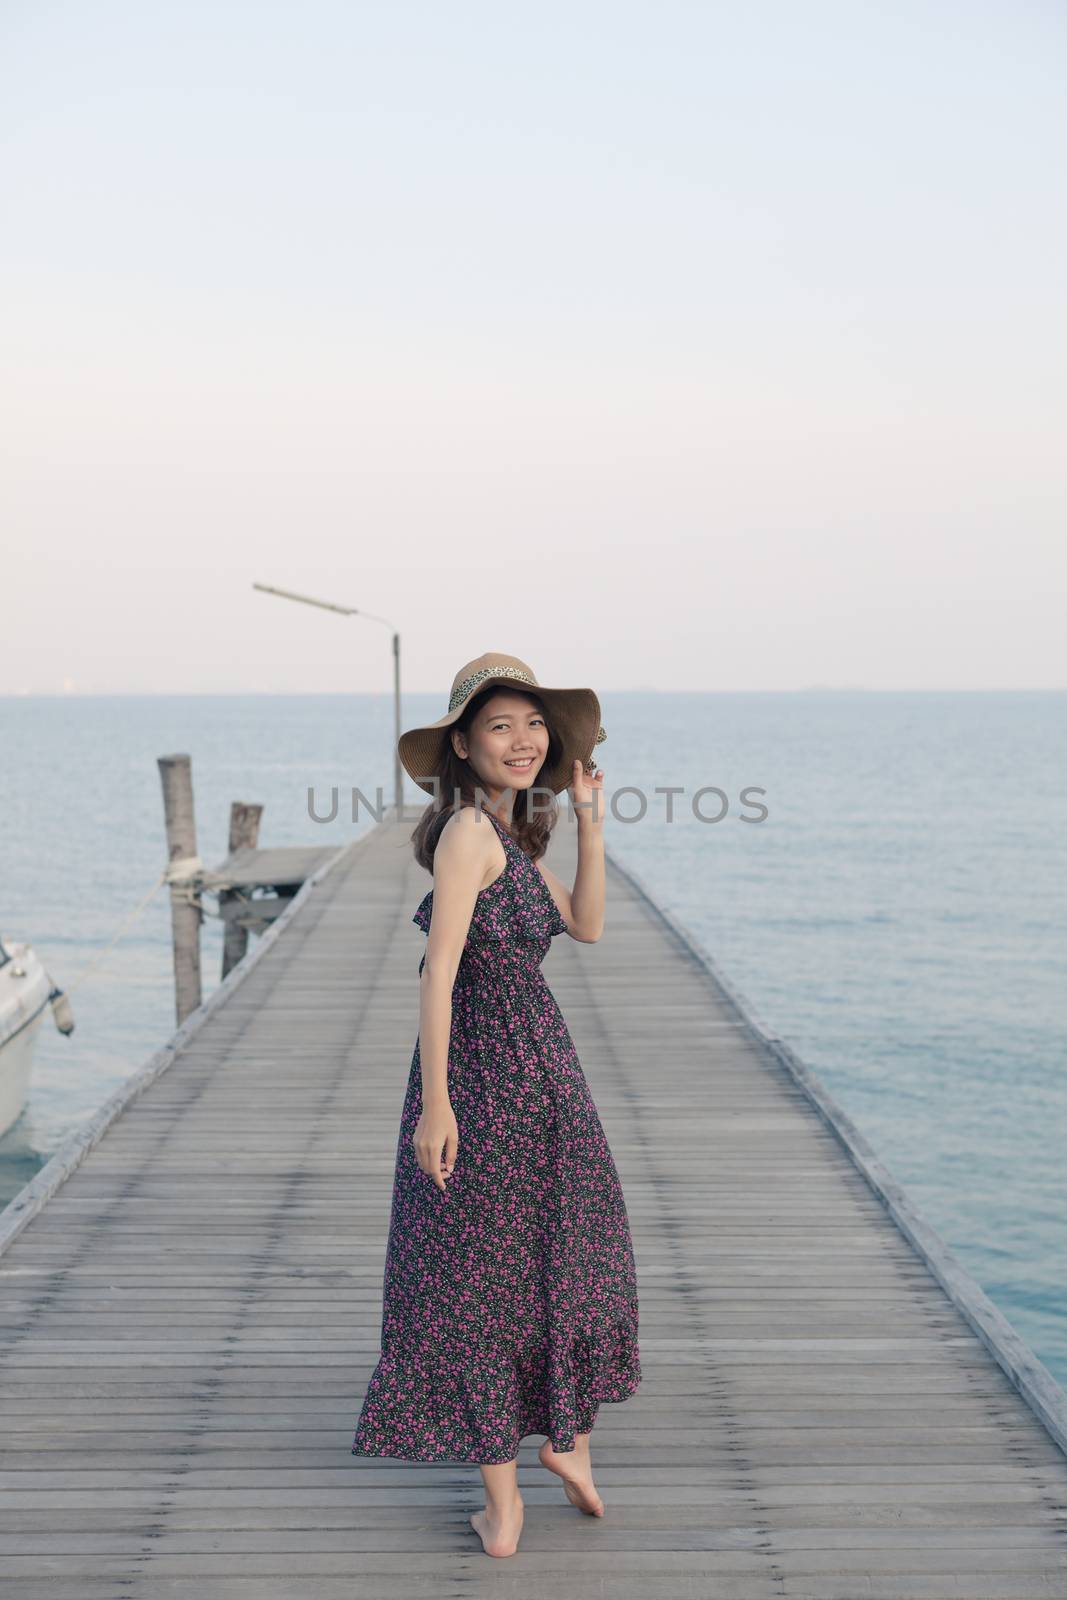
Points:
(467, 857)
(582, 907)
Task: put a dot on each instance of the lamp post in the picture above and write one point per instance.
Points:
(352, 611)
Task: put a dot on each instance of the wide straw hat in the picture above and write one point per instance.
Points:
(574, 715)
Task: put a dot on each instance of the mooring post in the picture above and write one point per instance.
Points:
(244, 835)
(176, 774)
(398, 771)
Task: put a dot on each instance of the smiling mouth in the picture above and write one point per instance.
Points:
(527, 761)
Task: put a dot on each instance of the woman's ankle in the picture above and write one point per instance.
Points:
(498, 1507)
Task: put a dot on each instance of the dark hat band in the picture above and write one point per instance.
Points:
(460, 694)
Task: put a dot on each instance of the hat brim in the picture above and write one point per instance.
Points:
(575, 718)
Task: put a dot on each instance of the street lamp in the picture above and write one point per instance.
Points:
(351, 611)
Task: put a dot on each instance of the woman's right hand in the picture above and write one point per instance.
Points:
(435, 1130)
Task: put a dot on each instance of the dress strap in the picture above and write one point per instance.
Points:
(498, 824)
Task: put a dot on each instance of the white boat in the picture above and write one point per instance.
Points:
(26, 992)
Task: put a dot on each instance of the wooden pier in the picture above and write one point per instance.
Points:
(190, 1301)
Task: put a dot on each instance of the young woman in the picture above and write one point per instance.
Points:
(510, 1295)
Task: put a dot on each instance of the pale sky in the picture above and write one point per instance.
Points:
(706, 345)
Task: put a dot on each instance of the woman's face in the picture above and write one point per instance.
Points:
(506, 744)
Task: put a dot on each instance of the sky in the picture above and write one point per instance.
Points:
(659, 345)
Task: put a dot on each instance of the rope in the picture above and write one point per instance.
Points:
(173, 873)
(137, 911)
(183, 867)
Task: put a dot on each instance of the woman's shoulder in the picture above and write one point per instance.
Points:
(472, 841)
(470, 823)
(481, 852)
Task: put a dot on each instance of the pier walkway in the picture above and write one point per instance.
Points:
(830, 1408)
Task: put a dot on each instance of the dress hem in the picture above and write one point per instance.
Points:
(490, 1461)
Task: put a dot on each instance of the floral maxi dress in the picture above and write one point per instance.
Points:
(510, 1298)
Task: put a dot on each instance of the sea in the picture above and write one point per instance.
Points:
(882, 876)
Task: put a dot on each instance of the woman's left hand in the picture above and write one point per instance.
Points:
(587, 795)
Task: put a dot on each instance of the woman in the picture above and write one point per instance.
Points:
(509, 1297)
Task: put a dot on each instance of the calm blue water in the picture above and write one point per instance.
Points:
(900, 917)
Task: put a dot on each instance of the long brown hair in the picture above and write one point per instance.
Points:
(458, 785)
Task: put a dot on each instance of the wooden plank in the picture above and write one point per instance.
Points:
(278, 868)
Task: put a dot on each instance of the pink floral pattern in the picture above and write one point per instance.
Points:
(510, 1299)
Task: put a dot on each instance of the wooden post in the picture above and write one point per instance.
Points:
(176, 774)
(244, 835)
(398, 770)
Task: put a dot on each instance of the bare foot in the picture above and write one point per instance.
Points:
(499, 1531)
(576, 1470)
